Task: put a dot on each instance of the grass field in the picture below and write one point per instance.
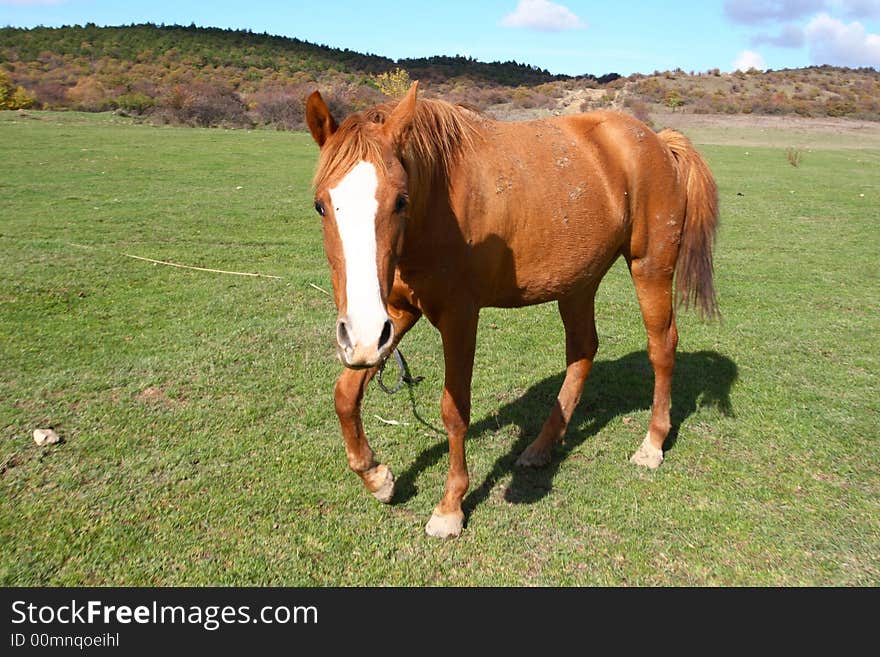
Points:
(200, 444)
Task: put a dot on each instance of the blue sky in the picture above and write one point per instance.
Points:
(568, 36)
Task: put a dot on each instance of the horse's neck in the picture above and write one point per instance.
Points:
(433, 227)
(428, 189)
(432, 165)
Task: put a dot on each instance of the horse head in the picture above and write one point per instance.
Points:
(361, 197)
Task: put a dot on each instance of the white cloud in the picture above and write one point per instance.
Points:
(760, 11)
(829, 39)
(748, 59)
(834, 42)
(791, 36)
(543, 15)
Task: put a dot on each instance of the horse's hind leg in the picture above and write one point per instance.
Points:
(348, 395)
(581, 343)
(654, 290)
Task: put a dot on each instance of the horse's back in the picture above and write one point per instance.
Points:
(557, 194)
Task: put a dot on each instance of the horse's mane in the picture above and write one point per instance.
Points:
(439, 134)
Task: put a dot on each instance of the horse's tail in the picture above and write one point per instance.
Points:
(694, 271)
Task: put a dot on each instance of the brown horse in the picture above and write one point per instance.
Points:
(431, 209)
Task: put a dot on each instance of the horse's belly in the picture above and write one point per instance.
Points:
(556, 275)
(570, 252)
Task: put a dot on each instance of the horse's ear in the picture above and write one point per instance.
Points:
(321, 123)
(400, 120)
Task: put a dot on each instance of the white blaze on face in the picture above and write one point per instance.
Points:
(355, 204)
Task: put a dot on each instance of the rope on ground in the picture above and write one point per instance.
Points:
(215, 271)
(176, 264)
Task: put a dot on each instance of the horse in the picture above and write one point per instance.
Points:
(433, 209)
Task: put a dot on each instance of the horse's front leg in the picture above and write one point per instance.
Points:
(348, 395)
(459, 339)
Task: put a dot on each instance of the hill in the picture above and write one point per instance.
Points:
(210, 76)
(219, 73)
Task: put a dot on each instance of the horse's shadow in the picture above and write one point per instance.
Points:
(613, 388)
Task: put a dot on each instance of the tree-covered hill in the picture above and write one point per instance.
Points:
(92, 67)
(211, 76)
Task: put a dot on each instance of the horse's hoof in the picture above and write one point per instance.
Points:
(445, 526)
(380, 481)
(533, 458)
(647, 455)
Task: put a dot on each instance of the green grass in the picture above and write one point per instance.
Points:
(200, 443)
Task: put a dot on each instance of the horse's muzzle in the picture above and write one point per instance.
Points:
(361, 354)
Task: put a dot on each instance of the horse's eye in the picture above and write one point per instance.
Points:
(319, 208)
(400, 204)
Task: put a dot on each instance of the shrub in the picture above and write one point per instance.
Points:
(522, 97)
(203, 105)
(393, 84)
(525, 98)
(465, 92)
(50, 94)
(22, 99)
(14, 97)
(803, 108)
(673, 100)
(837, 107)
(346, 99)
(89, 94)
(550, 89)
(213, 107)
(5, 88)
(282, 107)
(639, 109)
(136, 103)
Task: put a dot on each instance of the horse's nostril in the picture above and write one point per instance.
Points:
(342, 336)
(387, 333)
